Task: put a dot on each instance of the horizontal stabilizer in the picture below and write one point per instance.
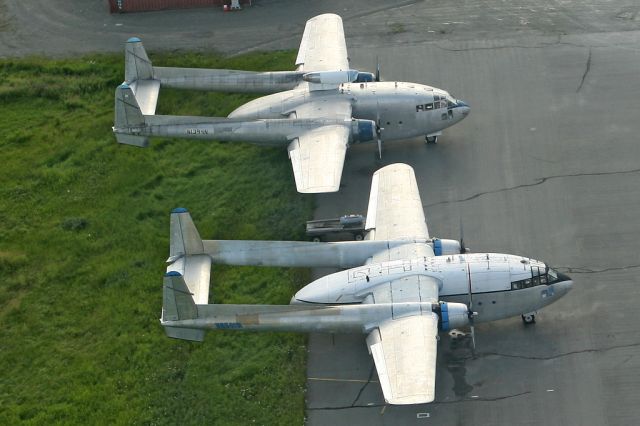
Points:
(146, 93)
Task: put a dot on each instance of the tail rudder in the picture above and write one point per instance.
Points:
(128, 118)
(137, 65)
(139, 79)
(177, 305)
(187, 256)
(186, 283)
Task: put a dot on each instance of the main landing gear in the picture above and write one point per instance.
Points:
(431, 139)
(529, 318)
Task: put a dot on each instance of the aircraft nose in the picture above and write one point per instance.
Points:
(565, 283)
(564, 277)
(463, 107)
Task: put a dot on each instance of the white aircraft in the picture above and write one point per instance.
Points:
(317, 112)
(402, 287)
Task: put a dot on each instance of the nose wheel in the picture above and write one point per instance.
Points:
(528, 319)
(431, 139)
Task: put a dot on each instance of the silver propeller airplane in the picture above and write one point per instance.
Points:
(316, 111)
(402, 287)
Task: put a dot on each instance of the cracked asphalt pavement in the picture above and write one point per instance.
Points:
(546, 166)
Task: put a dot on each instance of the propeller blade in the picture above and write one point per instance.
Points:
(377, 68)
(380, 148)
(463, 248)
(470, 305)
(470, 312)
(473, 337)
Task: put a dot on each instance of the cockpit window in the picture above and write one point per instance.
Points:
(539, 276)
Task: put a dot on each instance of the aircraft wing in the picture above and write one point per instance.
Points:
(317, 157)
(404, 347)
(404, 351)
(323, 47)
(395, 213)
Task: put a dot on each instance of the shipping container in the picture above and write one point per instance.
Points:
(120, 6)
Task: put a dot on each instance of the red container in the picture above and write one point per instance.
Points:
(120, 6)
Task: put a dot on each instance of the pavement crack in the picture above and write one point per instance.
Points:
(584, 270)
(380, 9)
(506, 46)
(497, 398)
(539, 181)
(586, 71)
(561, 355)
(373, 369)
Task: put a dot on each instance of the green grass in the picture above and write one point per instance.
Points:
(84, 236)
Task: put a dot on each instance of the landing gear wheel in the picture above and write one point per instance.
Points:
(431, 139)
(528, 319)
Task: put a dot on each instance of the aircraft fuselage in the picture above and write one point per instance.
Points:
(402, 110)
(502, 285)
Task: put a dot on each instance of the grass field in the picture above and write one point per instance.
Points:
(84, 236)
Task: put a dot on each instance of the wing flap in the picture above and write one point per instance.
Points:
(323, 47)
(317, 158)
(404, 351)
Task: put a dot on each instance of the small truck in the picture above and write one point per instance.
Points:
(321, 229)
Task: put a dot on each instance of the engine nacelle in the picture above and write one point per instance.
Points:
(443, 247)
(451, 315)
(363, 131)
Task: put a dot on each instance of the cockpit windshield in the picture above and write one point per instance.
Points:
(539, 276)
(451, 102)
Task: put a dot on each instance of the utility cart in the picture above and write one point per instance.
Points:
(321, 229)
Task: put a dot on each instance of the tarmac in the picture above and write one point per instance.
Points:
(547, 165)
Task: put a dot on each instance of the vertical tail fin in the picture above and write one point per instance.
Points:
(177, 305)
(137, 65)
(128, 118)
(187, 256)
(186, 283)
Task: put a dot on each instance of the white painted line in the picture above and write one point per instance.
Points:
(550, 390)
(423, 415)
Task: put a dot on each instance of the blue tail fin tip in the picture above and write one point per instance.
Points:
(173, 274)
(180, 210)
(134, 40)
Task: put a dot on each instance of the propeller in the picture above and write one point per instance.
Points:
(379, 130)
(463, 248)
(470, 313)
(377, 68)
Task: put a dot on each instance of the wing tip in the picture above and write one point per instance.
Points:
(318, 189)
